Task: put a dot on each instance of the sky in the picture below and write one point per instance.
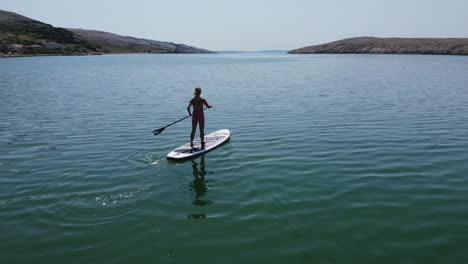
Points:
(253, 24)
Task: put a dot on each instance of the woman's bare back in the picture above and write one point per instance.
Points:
(198, 102)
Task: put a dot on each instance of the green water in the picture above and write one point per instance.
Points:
(332, 159)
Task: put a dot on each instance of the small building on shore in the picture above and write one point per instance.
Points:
(35, 46)
(52, 45)
(15, 47)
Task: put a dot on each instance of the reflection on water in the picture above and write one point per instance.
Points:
(199, 186)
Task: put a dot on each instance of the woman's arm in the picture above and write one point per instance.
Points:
(206, 103)
(188, 108)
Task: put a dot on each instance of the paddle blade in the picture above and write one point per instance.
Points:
(158, 131)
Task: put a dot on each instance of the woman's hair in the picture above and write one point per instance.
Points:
(198, 90)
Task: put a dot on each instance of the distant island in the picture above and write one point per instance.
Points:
(23, 36)
(372, 45)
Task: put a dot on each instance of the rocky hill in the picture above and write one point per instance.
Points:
(24, 36)
(438, 46)
(21, 35)
(12, 18)
(118, 43)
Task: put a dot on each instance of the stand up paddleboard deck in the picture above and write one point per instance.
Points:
(212, 141)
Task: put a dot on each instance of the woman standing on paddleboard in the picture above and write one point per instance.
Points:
(198, 117)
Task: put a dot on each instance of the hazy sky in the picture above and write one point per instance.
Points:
(253, 24)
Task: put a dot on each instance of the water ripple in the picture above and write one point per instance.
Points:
(332, 158)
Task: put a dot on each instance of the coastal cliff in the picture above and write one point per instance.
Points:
(372, 45)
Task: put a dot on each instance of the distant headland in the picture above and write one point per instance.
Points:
(372, 45)
(23, 36)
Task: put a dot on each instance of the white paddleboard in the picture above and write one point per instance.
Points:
(211, 141)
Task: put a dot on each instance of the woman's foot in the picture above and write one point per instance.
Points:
(203, 145)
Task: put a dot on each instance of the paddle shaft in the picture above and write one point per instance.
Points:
(162, 128)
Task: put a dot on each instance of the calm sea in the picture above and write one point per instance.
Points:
(333, 159)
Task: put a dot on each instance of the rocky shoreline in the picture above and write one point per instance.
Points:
(372, 45)
(16, 55)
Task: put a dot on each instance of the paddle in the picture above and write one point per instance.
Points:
(160, 130)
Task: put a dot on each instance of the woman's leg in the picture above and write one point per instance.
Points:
(194, 128)
(202, 131)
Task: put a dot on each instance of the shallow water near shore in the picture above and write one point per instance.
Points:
(332, 159)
